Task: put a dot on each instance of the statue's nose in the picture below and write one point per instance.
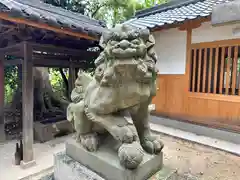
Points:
(124, 44)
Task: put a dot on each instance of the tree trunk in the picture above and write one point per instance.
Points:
(46, 103)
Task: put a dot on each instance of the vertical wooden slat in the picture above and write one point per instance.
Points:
(215, 70)
(210, 70)
(194, 69)
(228, 70)
(234, 74)
(238, 81)
(204, 70)
(222, 70)
(199, 69)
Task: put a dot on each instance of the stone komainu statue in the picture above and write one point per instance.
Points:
(123, 84)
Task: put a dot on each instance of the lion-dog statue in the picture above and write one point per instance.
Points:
(123, 84)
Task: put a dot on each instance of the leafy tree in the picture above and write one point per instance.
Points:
(111, 11)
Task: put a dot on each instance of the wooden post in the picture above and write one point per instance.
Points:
(20, 74)
(72, 77)
(1, 88)
(27, 106)
(2, 130)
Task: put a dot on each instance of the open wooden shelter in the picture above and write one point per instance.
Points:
(39, 34)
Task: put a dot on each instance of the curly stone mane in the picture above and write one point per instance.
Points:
(124, 49)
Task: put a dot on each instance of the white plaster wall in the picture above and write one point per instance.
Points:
(208, 33)
(171, 50)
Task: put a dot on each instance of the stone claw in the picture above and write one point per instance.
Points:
(152, 145)
(89, 141)
(124, 134)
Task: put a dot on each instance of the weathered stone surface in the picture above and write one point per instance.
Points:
(105, 162)
(68, 169)
(46, 132)
(65, 168)
(226, 13)
(123, 84)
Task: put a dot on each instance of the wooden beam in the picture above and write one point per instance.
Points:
(6, 17)
(40, 62)
(188, 64)
(11, 49)
(188, 24)
(1, 88)
(61, 58)
(27, 105)
(220, 43)
(193, 24)
(188, 58)
(12, 62)
(63, 50)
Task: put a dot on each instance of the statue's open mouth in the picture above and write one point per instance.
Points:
(124, 53)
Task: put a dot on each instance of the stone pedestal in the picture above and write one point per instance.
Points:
(66, 168)
(78, 164)
(47, 132)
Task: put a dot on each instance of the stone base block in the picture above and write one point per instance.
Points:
(47, 132)
(105, 162)
(66, 168)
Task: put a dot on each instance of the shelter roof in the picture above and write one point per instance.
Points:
(37, 12)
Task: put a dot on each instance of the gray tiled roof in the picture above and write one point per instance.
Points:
(37, 11)
(172, 13)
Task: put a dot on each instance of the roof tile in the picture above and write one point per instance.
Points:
(54, 16)
(173, 15)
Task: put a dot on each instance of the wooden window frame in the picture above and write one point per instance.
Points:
(214, 44)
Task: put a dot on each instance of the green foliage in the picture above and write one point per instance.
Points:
(56, 81)
(10, 82)
(150, 3)
(110, 11)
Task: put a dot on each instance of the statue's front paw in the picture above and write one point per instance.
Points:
(124, 134)
(130, 155)
(89, 141)
(152, 145)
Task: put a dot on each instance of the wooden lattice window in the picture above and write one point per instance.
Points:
(215, 69)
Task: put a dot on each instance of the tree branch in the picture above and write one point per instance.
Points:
(97, 9)
(65, 80)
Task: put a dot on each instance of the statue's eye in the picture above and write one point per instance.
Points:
(116, 36)
(135, 41)
(113, 42)
(132, 35)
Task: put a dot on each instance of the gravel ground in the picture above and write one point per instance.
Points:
(193, 161)
(200, 162)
